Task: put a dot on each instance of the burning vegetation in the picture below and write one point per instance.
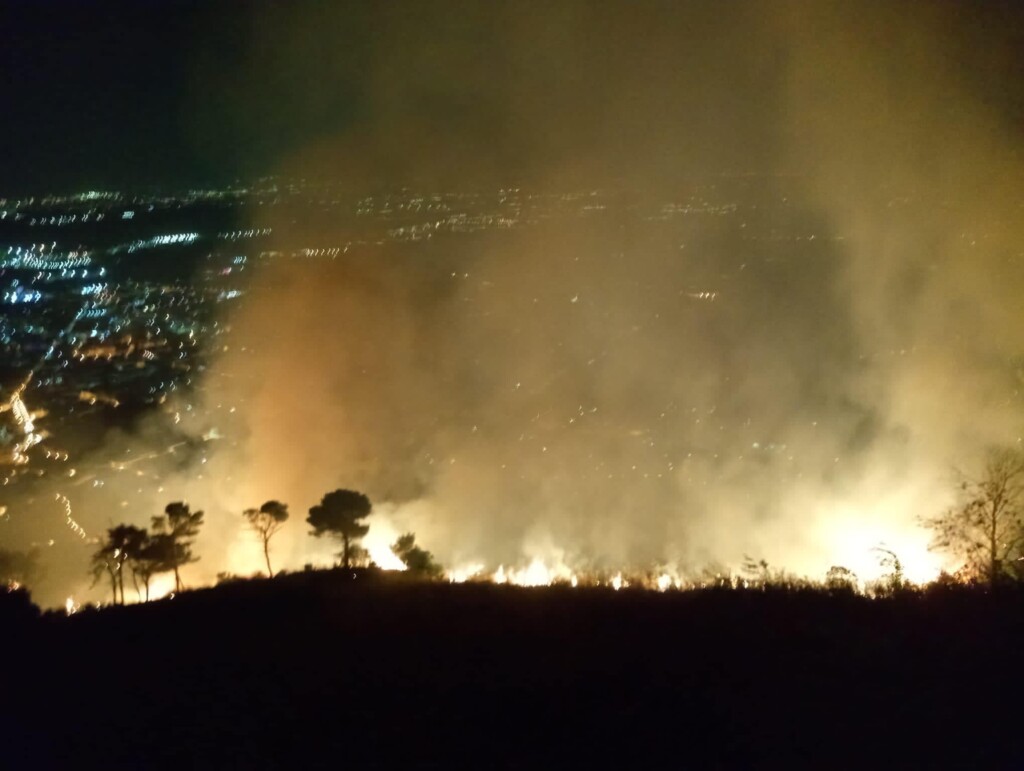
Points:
(983, 534)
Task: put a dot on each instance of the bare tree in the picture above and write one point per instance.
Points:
(141, 558)
(986, 527)
(122, 546)
(265, 521)
(127, 541)
(895, 579)
(106, 560)
(146, 562)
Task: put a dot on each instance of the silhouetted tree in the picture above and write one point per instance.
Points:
(840, 578)
(132, 546)
(894, 580)
(124, 543)
(149, 559)
(358, 556)
(18, 567)
(172, 539)
(340, 514)
(986, 528)
(757, 571)
(265, 521)
(106, 560)
(417, 560)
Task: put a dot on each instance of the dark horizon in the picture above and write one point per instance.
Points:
(117, 94)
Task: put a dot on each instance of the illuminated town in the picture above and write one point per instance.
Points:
(115, 305)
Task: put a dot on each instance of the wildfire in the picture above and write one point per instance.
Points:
(378, 545)
(854, 543)
(539, 573)
(536, 573)
(864, 556)
(385, 558)
(465, 573)
(162, 586)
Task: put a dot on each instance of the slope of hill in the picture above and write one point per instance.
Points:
(320, 669)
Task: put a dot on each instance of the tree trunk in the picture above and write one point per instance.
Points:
(993, 550)
(177, 580)
(113, 585)
(266, 555)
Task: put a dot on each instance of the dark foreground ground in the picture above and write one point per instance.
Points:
(313, 670)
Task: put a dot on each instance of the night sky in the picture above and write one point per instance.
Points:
(175, 93)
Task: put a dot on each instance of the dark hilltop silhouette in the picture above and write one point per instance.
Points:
(358, 668)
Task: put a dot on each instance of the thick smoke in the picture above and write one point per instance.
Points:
(557, 390)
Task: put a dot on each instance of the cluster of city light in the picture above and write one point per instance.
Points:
(234, 235)
(163, 240)
(42, 257)
(19, 294)
(699, 207)
(330, 251)
(457, 223)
